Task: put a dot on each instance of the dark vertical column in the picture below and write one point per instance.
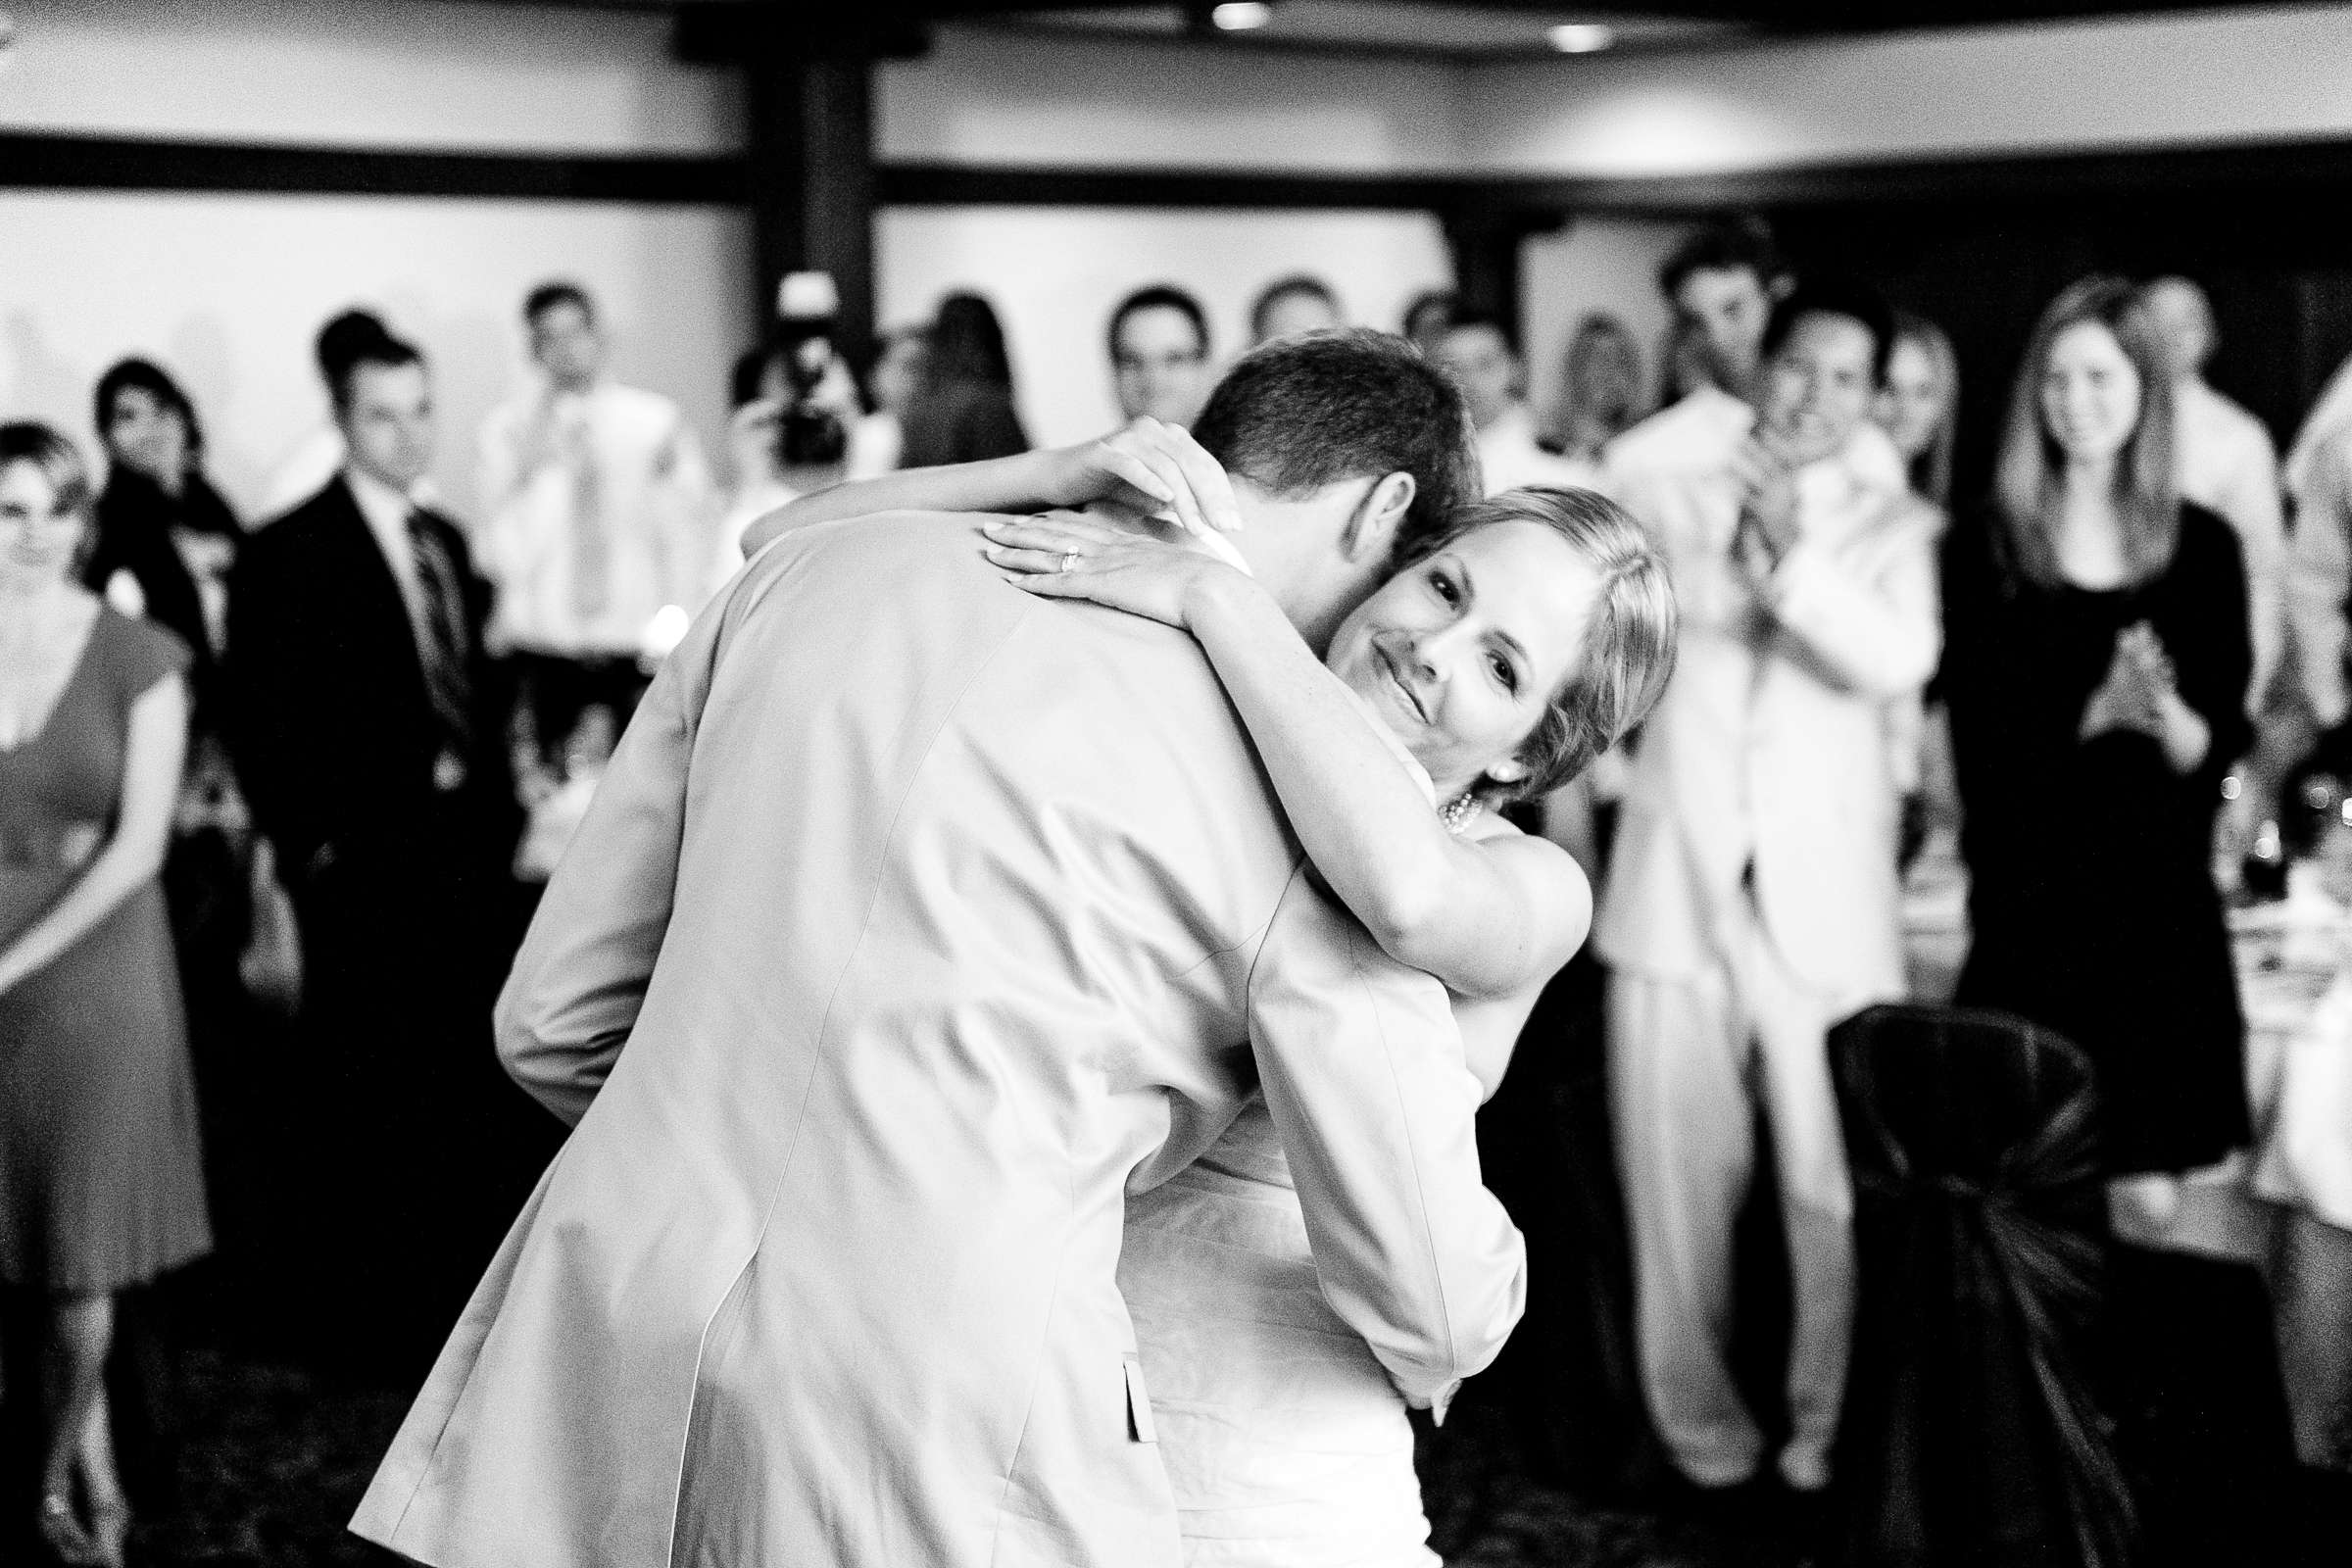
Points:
(1484, 239)
(811, 173)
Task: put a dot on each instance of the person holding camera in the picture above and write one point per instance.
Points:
(796, 423)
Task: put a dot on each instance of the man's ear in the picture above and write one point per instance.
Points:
(1372, 528)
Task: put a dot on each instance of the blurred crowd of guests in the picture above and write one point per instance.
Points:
(300, 781)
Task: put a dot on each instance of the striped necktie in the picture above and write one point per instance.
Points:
(591, 530)
(445, 643)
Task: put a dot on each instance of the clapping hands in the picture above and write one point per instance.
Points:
(2139, 679)
(1765, 470)
(2142, 692)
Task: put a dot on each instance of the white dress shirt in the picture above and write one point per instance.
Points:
(1510, 457)
(631, 456)
(2226, 464)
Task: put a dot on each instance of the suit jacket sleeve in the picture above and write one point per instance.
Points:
(577, 987)
(2319, 576)
(1872, 617)
(1362, 1068)
(282, 728)
(2251, 505)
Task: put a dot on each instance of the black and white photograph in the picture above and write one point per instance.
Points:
(1172, 784)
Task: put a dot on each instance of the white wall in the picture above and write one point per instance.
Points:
(1055, 273)
(2142, 81)
(994, 97)
(364, 73)
(228, 290)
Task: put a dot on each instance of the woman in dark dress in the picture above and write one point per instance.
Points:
(962, 409)
(2095, 664)
(163, 548)
(160, 521)
(100, 1183)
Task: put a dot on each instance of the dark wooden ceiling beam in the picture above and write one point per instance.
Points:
(2311, 166)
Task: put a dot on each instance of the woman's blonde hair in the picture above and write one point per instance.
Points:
(1629, 642)
(2032, 465)
(1931, 470)
(58, 459)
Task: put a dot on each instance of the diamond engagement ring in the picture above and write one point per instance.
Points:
(1070, 560)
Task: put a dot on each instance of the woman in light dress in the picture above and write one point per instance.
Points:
(1498, 661)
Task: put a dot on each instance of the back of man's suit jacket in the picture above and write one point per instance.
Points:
(932, 915)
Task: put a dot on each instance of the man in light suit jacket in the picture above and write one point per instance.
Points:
(918, 921)
(1753, 900)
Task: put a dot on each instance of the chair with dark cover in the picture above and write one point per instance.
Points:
(1970, 1436)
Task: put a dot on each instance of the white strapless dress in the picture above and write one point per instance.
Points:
(1285, 1444)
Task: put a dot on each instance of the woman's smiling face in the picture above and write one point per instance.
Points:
(38, 537)
(1461, 653)
(2091, 393)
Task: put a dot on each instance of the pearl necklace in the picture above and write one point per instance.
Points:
(1458, 813)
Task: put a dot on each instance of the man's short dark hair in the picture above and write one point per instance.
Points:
(1159, 297)
(1282, 288)
(1441, 302)
(344, 335)
(385, 351)
(547, 296)
(1727, 245)
(1831, 294)
(1322, 408)
(1492, 320)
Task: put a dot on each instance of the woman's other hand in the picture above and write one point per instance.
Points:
(2122, 700)
(1066, 555)
(2178, 727)
(2140, 692)
(1153, 468)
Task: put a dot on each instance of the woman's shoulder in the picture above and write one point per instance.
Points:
(1973, 551)
(209, 512)
(1490, 825)
(2206, 554)
(1538, 858)
(138, 652)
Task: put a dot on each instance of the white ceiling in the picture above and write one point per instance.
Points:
(1399, 26)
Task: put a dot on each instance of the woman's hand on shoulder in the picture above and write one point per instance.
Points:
(1069, 554)
(1150, 466)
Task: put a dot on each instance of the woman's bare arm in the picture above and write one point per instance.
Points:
(1155, 469)
(1486, 915)
(132, 858)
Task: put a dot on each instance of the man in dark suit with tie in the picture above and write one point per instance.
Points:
(371, 743)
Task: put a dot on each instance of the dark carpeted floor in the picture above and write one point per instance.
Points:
(241, 1459)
